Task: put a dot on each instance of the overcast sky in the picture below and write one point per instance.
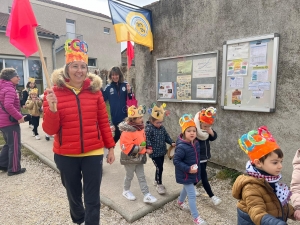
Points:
(101, 6)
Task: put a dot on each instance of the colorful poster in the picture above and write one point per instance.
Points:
(237, 67)
(206, 67)
(184, 67)
(205, 91)
(236, 97)
(184, 87)
(236, 82)
(238, 51)
(166, 90)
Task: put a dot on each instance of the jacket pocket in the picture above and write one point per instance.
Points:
(97, 127)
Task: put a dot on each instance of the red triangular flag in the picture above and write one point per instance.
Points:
(130, 53)
(20, 27)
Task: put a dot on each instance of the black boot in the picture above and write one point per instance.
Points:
(22, 170)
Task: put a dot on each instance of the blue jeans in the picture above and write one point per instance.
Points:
(189, 190)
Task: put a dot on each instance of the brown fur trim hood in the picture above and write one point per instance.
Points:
(58, 79)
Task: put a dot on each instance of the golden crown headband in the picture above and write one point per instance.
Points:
(31, 80)
(76, 50)
(158, 112)
(34, 91)
(133, 111)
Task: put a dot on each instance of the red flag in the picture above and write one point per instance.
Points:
(130, 54)
(20, 27)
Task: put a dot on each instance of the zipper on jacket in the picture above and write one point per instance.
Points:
(97, 125)
(60, 136)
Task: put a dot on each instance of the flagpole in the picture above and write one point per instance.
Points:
(43, 63)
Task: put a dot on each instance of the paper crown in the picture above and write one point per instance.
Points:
(158, 112)
(34, 91)
(31, 80)
(76, 50)
(134, 112)
(186, 121)
(208, 115)
(258, 143)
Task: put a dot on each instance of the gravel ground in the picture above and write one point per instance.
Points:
(37, 197)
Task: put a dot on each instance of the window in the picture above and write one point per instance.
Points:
(106, 30)
(17, 64)
(91, 62)
(9, 10)
(71, 33)
(1, 64)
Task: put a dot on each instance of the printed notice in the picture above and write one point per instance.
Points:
(236, 82)
(258, 54)
(206, 67)
(238, 51)
(205, 91)
(253, 86)
(237, 67)
(184, 67)
(166, 90)
(264, 86)
(258, 94)
(184, 87)
(259, 75)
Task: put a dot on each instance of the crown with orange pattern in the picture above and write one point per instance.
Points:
(34, 91)
(134, 112)
(76, 50)
(208, 115)
(186, 121)
(258, 143)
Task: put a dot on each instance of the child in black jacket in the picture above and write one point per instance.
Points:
(204, 120)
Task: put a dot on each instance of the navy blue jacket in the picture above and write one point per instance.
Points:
(244, 219)
(116, 95)
(156, 140)
(205, 147)
(186, 155)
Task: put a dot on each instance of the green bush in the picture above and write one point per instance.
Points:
(228, 174)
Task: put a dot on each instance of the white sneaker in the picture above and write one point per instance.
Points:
(149, 198)
(197, 192)
(183, 206)
(216, 200)
(33, 134)
(128, 194)
(154, 183)
(161, 189)
(199, 221)
(30, 126)
(37, 137)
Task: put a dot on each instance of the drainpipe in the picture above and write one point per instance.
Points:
(53, 53)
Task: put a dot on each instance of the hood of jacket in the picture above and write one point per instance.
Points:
(58, 79)
(124, 126)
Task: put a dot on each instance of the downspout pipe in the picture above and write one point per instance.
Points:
(53, 53)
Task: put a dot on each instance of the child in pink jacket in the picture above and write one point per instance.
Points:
(295, 185)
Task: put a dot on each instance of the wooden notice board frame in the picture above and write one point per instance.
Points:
(249, 73)
(188, 78)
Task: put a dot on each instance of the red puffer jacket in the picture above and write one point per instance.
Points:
(81, 122)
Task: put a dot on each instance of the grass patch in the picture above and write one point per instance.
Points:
(228, 174)
(2, 142)
(28, 154)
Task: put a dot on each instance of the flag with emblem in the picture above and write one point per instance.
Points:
(136, 21)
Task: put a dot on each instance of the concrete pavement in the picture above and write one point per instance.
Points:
(113, 177)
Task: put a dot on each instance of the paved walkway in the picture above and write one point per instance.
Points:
(113, 176)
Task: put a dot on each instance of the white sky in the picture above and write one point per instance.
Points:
(101, 6)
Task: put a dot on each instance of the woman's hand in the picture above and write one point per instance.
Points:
(22, 120)
(110, 156)
(52, 100)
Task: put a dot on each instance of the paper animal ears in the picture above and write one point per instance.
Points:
(158, 112)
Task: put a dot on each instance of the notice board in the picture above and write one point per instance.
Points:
(249, 73)
(188, 78)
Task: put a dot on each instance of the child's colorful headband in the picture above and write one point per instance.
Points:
(134, 112)
(208, 115)
(158, 112)
(34, 91)
(258, 143)
(186, 121)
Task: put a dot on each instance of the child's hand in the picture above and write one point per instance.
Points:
(149, 151)
(210, 131)
(193, 169)
(297, 214)
(173, 144)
